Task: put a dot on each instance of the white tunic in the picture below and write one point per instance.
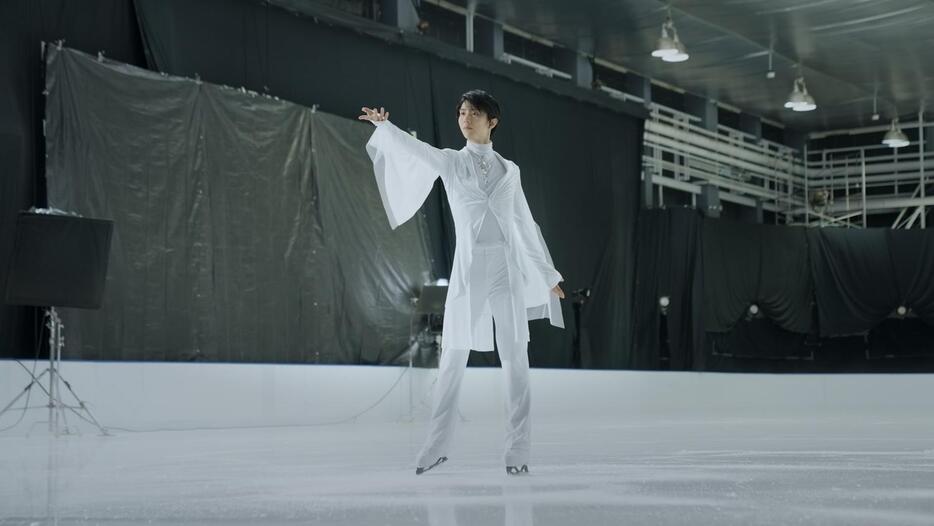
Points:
(405, 170)
(490, 170)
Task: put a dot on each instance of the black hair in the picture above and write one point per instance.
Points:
(484, 102)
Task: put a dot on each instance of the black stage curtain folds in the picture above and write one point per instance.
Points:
(863, 277)
(667, 266)
(765, 265)
(819, 291)
(246, 226)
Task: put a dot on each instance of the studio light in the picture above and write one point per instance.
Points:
(669, 47)
(800, 99)
(895, 138)
(666, 45)
(680, 55)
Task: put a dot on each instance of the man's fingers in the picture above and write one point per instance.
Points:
(374, 114)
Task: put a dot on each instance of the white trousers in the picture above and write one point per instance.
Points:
(489, 281)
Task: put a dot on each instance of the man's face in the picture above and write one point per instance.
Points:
(474, 123)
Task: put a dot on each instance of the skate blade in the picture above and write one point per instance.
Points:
(420, 470)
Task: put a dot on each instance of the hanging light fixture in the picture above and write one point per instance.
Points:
(895, 137)
(669, 47)
(680, 55)
(666, 45)
(800, 99)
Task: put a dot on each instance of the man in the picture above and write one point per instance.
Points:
(502, 268)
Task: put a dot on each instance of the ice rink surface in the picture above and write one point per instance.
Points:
(847, 467)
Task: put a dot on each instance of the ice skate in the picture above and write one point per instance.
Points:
(419, 470)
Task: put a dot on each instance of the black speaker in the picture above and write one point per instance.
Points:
(58, 261)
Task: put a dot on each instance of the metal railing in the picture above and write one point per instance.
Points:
(830, 186)
(680, 154)
(873, 179)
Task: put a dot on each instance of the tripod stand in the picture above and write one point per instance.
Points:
(58, 421)
(61, 260)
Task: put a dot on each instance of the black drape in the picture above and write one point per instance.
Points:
(747, 264)
(92, 25)
(668, 265)
(863, 276)
(853, 279)
(913, 268)
(755, 338)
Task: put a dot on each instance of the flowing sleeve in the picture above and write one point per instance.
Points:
(536, 249)
(405, 170)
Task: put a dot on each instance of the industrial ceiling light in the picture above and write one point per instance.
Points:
(796, 98)
(800, 99)
(895, 138)
(669, 47)
(666, 45)
(680, 55)
(809, 103)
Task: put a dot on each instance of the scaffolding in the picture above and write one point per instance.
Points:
(682, 155)
(873, 179)
(840, 186)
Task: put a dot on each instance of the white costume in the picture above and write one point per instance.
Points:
(502, 268)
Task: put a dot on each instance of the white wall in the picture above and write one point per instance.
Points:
(185, 395)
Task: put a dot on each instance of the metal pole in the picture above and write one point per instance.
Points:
(846, 193)
(53, 342)
(862, 158)
(921, 158)
(470, 16)
(807, 197)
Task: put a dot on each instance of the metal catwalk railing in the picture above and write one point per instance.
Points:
(681, 155)
(831, 186)
(860, 181)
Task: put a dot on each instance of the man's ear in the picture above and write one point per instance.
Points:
(493, 122)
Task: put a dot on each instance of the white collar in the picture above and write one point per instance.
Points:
(480, 149)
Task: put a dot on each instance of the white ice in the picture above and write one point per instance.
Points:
(644, 448)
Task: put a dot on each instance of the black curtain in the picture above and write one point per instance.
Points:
(863, 276)
(826, 297)
(92, 26)
(912, 257)
(668, 265)
(746, 264)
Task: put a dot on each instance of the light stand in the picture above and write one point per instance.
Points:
(580, 297)
(58, 421)
(58, 259)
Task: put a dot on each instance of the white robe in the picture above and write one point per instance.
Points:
(406, 169)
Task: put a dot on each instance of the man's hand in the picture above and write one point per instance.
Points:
(374, 116)
(557, 290)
